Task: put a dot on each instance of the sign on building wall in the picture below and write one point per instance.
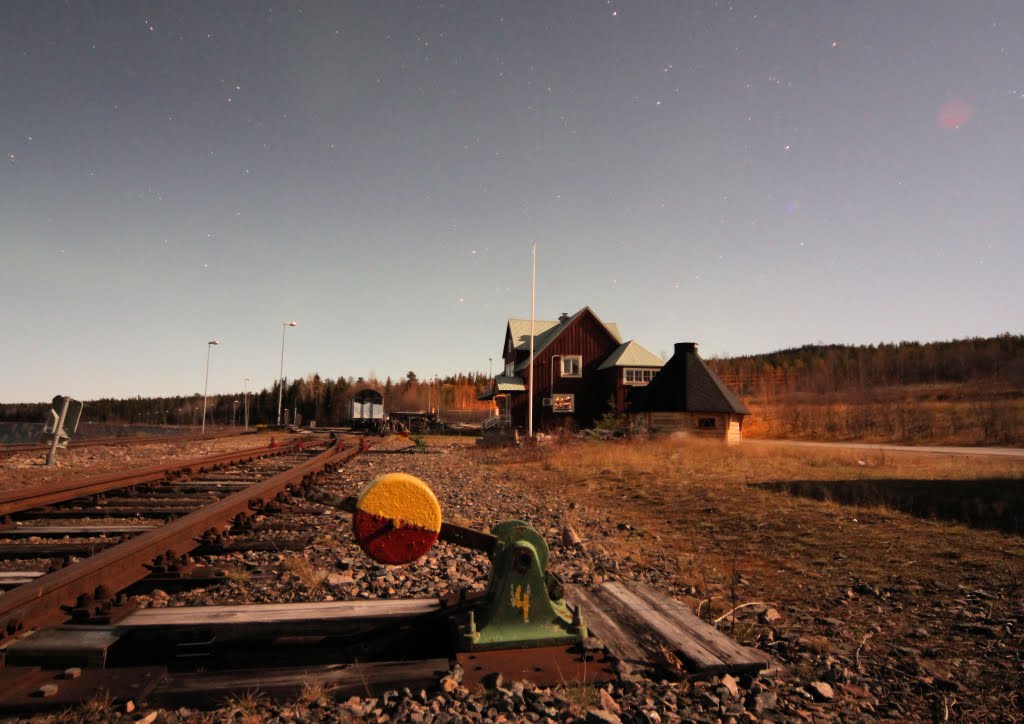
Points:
(563, 403)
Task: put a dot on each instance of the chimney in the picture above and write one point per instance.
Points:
(686, 348)
(564, 318)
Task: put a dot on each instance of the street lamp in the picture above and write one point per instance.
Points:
(245, 395)
(280, 390)
(206, 382)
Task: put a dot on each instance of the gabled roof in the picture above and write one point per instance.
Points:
(541, 341)
(687, 384)
(631, 354)
(503, 384)
(520, 331)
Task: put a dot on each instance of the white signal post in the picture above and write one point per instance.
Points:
(533, 297)
(206, 381)
(245, 397)
(280, 389)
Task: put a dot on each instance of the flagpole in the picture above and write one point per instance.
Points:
(533, 298)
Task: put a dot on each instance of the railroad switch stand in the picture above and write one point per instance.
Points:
(397, 519)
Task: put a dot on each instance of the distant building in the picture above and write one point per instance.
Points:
(686, 396)
(582, 369)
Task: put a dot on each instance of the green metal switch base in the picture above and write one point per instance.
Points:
(522, 605)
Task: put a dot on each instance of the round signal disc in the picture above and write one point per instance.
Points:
(397, 518)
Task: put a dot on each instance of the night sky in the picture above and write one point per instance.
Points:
(747, 176)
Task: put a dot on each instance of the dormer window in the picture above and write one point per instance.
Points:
(638, 376)
(510, 368)
(572, 365)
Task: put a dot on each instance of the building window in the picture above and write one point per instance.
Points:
(637, 376)
(510, 369)
(706, 423)
(563, 403)
(572, 365)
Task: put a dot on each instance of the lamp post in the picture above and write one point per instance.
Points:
(206, 381)
(490, 367)
(280, 390)
(245, 396)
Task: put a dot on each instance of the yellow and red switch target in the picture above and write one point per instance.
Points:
(397, 519)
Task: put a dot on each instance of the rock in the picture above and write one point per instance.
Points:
(449, 684)
(764, 702)
(771, 616)
(821, 691)
(608, 703)
(730, 685)
(148, 719)
(570, 538)
(600, 716)
(492, 681)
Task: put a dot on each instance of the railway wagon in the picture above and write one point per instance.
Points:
(367, 411)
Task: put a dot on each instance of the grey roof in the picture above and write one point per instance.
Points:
(631, 354)
(541, 341)
(503, 384)
(687, 384)
(520, 331)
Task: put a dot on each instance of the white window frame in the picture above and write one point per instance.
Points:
(571, 358)
(640, 372)
(562, 402)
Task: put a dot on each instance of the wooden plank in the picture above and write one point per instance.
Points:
(22, 551)
(18, 575)
(618, 641)
(63, 646)
(341, 680)
(626, 604)
(24, 531)
(273, 614)
(737, 656)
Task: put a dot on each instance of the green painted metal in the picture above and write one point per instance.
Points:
(522, 605)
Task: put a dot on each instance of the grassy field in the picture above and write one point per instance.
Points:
(926, 609)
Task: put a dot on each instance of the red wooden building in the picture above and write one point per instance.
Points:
(581, 370)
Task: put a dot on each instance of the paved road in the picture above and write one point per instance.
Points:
(1013, 453)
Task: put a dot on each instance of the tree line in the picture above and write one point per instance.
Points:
(313, 397)
(982, 362)
(967, 392)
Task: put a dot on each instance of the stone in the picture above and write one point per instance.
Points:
(771, 616)
(600, 716)
(821, 691)
(608, 703)
(730, 685)
(492, 681)
(765, 701)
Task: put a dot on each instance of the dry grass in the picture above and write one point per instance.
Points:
(698, 523)
(307, 573)
(247, 706)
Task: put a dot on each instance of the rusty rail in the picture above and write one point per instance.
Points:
(41, 602)
(15, 501)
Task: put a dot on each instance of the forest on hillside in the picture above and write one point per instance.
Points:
(324, 400)
(968, 391)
